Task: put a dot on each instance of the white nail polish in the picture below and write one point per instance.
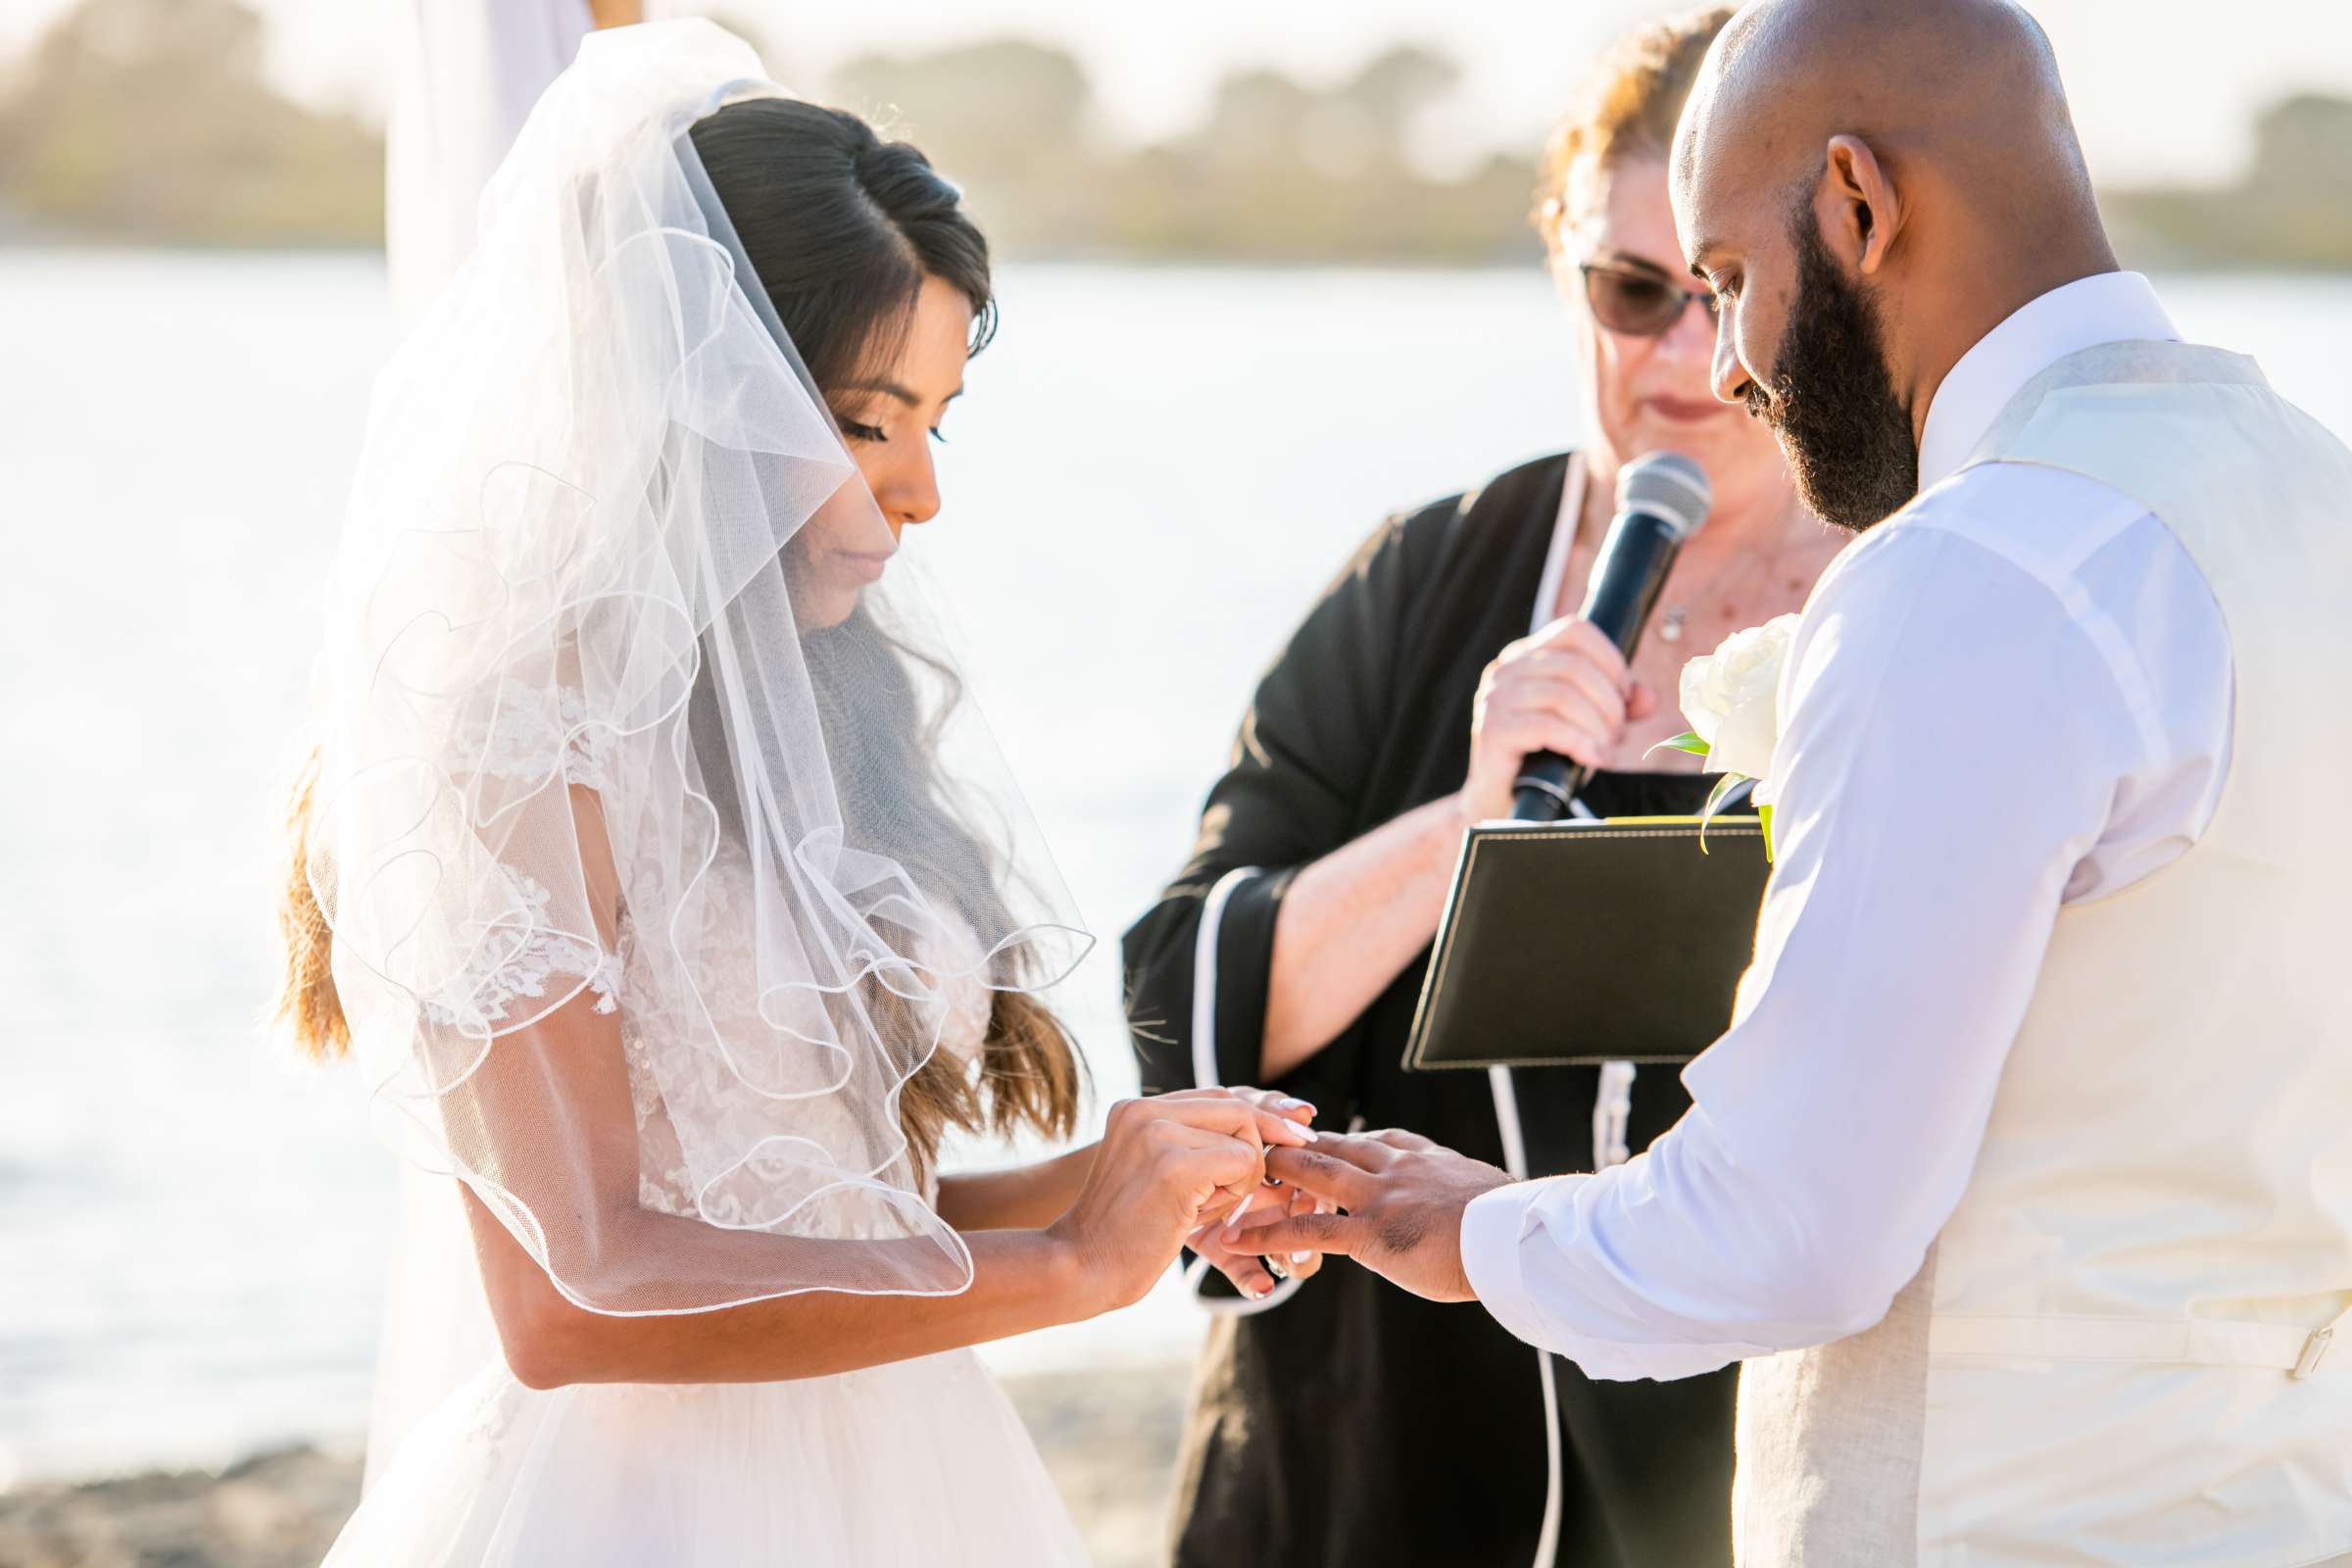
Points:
(1302, 1258)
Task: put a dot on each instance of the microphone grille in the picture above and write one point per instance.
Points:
(1668, 485)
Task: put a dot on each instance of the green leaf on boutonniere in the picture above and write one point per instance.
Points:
(1764, 815)
(1706, 813)
(1686, 740)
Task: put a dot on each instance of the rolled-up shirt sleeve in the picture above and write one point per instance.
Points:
(1954, 738)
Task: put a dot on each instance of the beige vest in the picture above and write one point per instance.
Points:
(2115, 1351)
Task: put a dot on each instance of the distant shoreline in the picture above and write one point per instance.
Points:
(54, 242)
(180, 130)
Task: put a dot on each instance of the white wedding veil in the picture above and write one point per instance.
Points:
(651, 881)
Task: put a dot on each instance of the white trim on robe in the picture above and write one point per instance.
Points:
(1207, 1076)
(1498, 1079)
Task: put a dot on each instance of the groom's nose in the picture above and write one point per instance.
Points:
(1727, 375)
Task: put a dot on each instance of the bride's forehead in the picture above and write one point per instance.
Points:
(931, 353)
(942, 317)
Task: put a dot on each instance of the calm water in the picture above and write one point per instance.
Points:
(1154, 473)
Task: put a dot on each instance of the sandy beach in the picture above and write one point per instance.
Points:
(1110, 1438)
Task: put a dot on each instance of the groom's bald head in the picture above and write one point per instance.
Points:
(1873, 185)
(1970, 85)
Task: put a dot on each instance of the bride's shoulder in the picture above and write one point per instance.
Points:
(528, 734)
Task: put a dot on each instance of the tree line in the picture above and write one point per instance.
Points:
(154, 122)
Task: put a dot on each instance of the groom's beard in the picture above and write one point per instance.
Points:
(1845, 432)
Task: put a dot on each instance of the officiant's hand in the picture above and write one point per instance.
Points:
(1564, 689)
(1403, 1198)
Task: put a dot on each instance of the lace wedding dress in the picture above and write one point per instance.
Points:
(914, 1462)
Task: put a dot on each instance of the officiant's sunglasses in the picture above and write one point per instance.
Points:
(1640, 304)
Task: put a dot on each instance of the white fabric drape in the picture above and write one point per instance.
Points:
(466, 76)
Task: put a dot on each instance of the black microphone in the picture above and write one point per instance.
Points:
(1662, 500)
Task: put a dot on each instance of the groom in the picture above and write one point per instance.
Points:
(2022, 1180)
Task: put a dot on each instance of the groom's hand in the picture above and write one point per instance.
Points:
(1403, 1198)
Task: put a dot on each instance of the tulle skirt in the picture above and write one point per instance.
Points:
(918, 1462)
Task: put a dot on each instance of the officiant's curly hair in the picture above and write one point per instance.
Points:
(842, 229)
(1625, 111)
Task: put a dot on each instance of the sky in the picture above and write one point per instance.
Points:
(2163, 90)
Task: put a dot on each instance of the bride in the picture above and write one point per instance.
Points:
(668, 892)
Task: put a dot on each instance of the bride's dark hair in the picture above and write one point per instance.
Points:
(841, 228)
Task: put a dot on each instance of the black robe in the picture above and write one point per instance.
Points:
(1355, 1424)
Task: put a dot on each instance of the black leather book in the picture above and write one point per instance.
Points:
(1567, 944)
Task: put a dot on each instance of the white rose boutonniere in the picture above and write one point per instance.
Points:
(1731, 698)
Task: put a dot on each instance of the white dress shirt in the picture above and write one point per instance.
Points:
(2014, 695)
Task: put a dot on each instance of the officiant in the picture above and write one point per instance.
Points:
(1336, 1421)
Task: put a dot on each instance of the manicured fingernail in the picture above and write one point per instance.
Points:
(1301, 1258)
(1311, 1134)
(1259, 1292)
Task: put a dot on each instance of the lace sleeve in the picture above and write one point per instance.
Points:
(520, 954)
(535, 732)
(510, 966)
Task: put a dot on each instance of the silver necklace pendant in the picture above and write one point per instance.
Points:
(1670, 625)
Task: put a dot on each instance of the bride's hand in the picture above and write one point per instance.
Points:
(1165, 1167)
(1229, 1244)
(1287, 1107)
(1223, 1239)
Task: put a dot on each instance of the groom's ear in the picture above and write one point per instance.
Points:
(1857, 207)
